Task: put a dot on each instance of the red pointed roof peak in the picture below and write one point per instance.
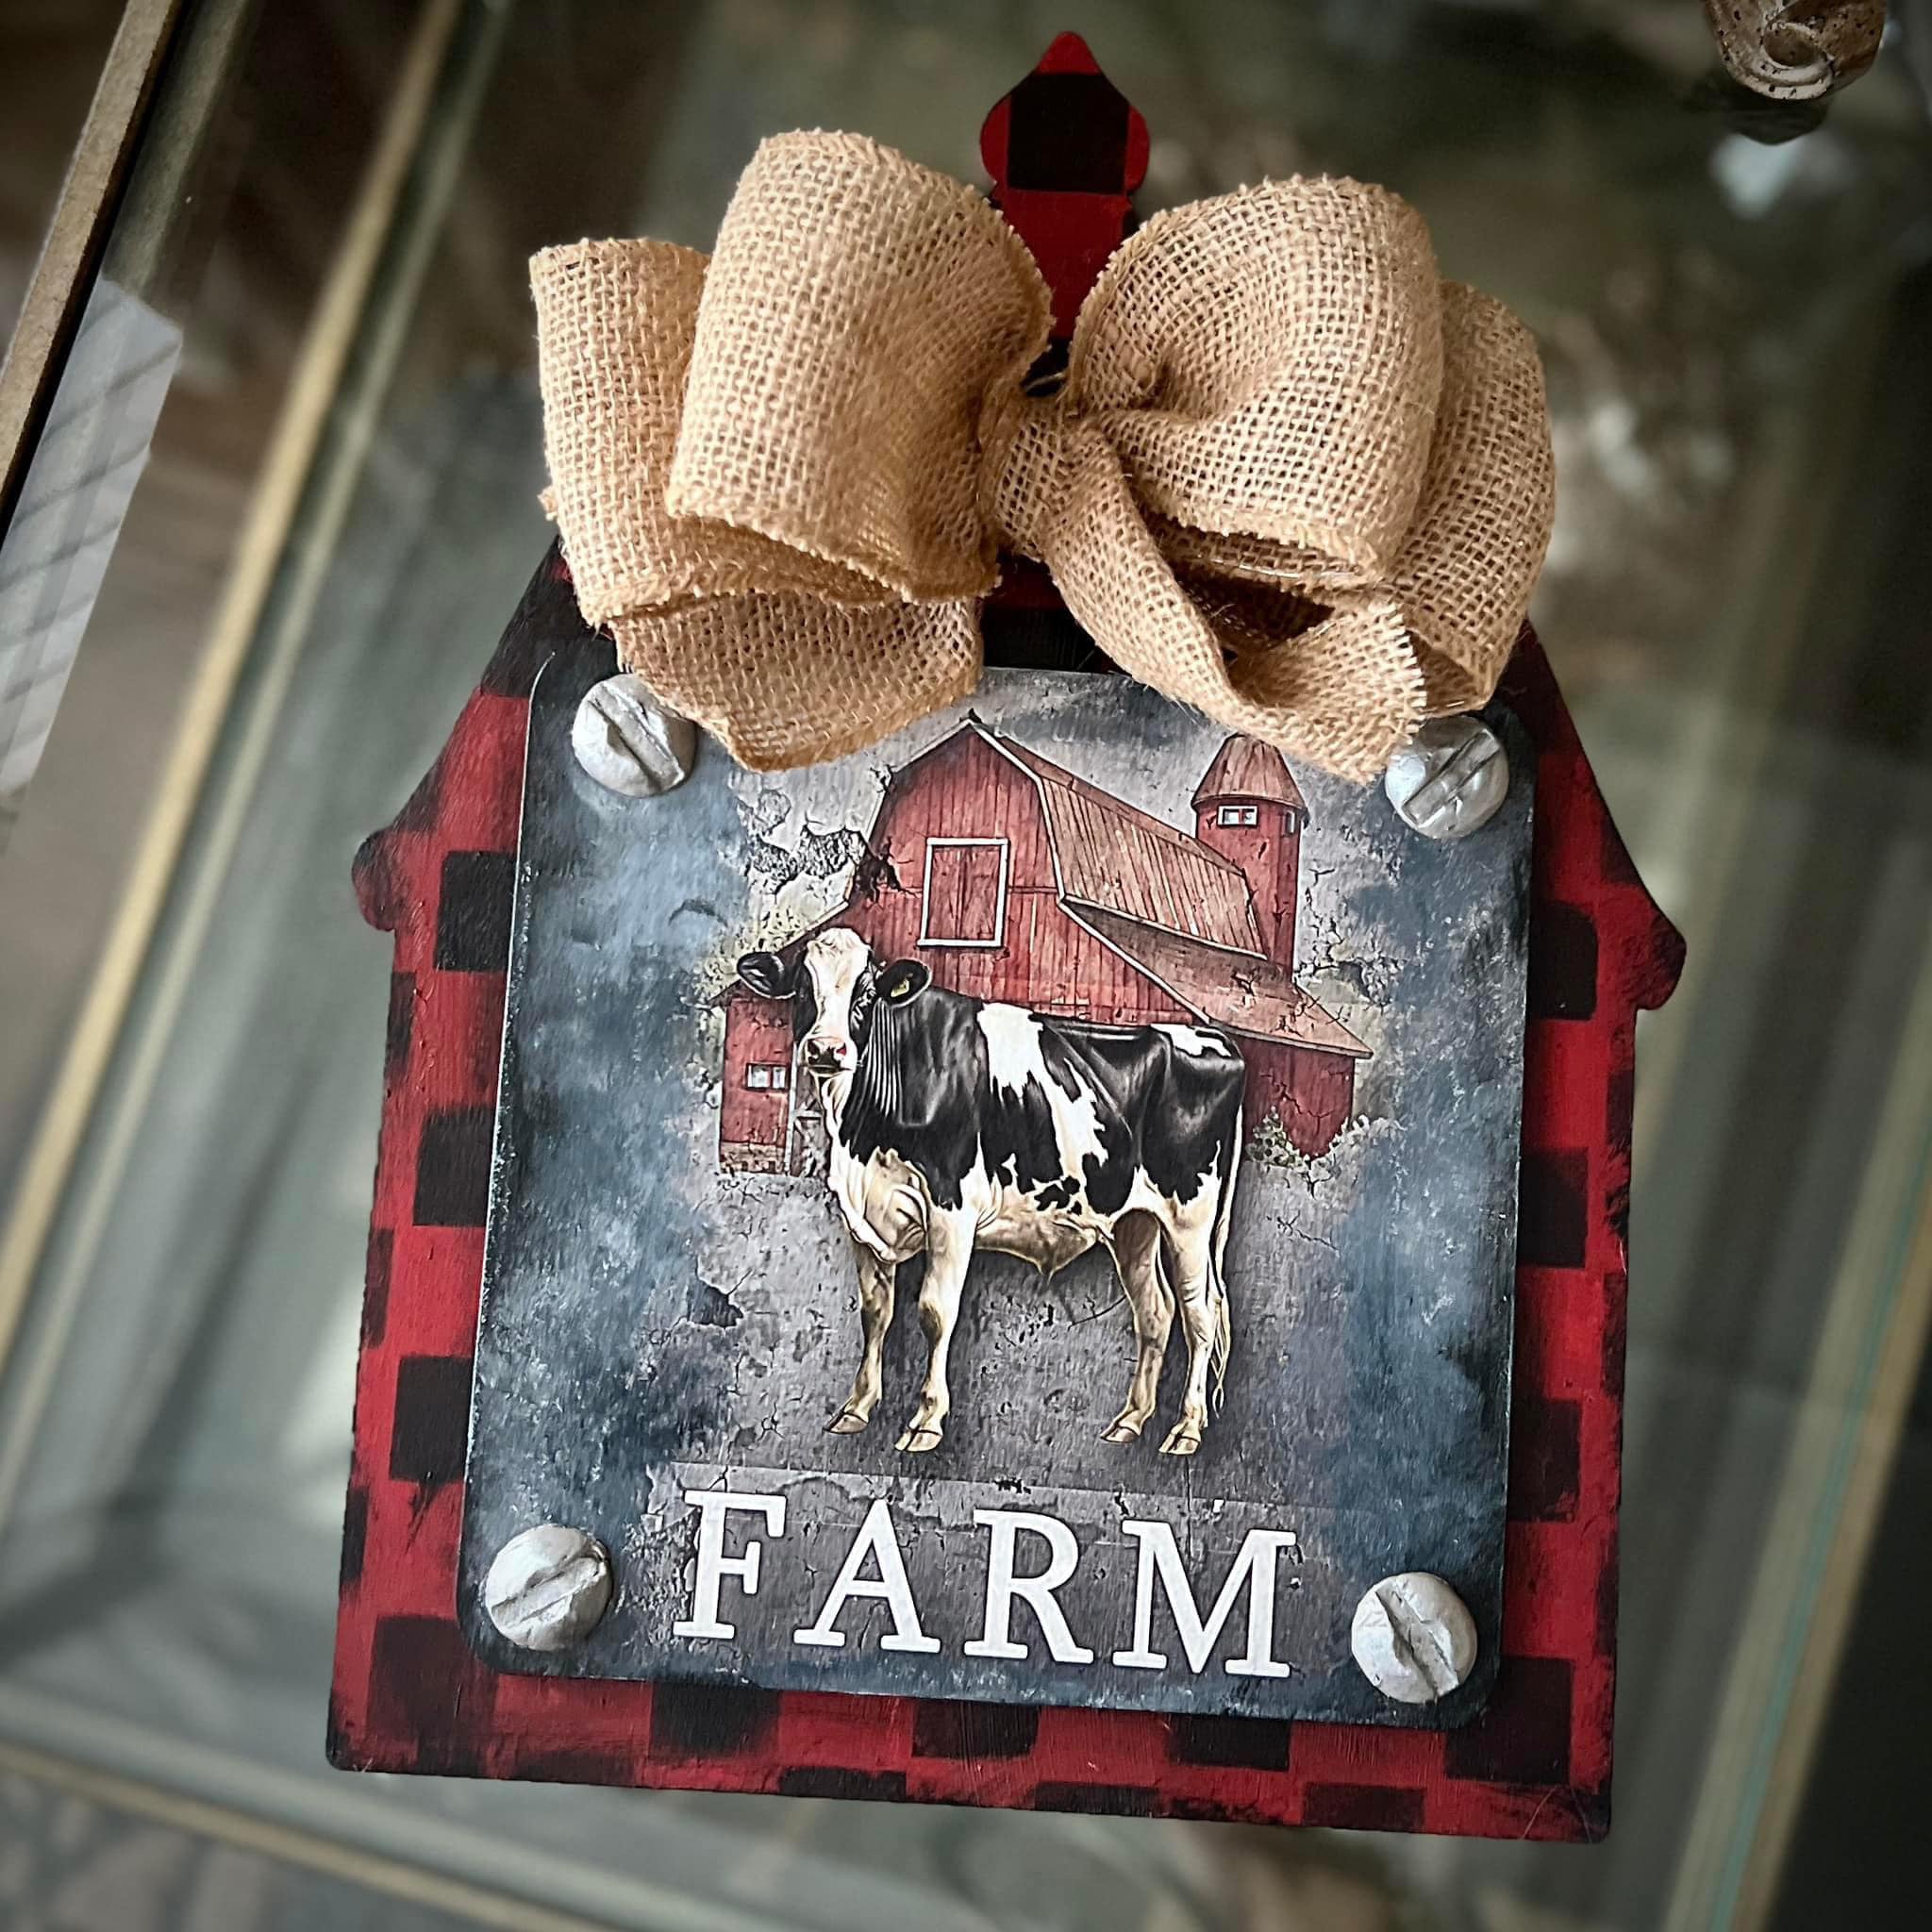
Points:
(1066, 149)
(1247, 769)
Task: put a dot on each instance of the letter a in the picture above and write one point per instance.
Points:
(875, 1538)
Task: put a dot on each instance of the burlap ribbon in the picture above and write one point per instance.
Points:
(1290, 478)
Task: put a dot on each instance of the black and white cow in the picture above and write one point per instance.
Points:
(959, 1123)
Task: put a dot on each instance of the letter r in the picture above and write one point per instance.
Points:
(1002, 1588)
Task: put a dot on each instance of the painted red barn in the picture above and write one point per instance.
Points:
(1014, 880)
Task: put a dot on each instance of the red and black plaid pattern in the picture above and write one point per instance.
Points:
(1066, 150)
(409, 1696)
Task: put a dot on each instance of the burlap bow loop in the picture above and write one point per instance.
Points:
(1291, 477)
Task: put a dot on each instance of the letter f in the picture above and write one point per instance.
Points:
(713, 1565)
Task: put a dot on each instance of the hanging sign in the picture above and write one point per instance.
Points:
(1024, 1212)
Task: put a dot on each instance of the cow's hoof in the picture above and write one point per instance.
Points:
(848, 1422)
(1182, 1439)
(917, 1442)
(1121, 1430)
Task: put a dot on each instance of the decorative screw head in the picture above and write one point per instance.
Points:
(548, 1587)
(1413, 1638)
(1450, 778)
(627, 740)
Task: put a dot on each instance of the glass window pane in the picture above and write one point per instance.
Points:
(1733, 334)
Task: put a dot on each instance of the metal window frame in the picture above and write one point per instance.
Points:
(63, 277)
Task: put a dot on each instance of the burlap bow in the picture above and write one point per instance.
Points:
(1290, 478)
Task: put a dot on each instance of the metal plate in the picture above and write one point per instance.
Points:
(669, 1311)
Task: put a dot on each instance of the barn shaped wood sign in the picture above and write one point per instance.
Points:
(1064, 1258)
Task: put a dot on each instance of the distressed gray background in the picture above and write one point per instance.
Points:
(645, 1310)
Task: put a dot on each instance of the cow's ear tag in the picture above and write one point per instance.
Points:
(905, 979)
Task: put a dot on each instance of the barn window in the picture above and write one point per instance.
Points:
(768, 1079)
(1239, 815)
(965, 892)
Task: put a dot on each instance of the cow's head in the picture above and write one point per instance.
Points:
(835, 987)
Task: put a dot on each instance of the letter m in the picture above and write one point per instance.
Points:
(1254, 1566)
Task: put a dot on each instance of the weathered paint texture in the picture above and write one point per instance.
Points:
(651, 1322)
(1014, 880)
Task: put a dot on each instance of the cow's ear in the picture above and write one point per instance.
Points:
(766, 974)
(902, 980)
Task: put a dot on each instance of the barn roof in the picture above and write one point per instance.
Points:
(1176, 909)
(1245, 768)
(1255, 997)
(1127, 861)
(1132, 880)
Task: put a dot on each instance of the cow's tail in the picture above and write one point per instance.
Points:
(1224, 1333)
